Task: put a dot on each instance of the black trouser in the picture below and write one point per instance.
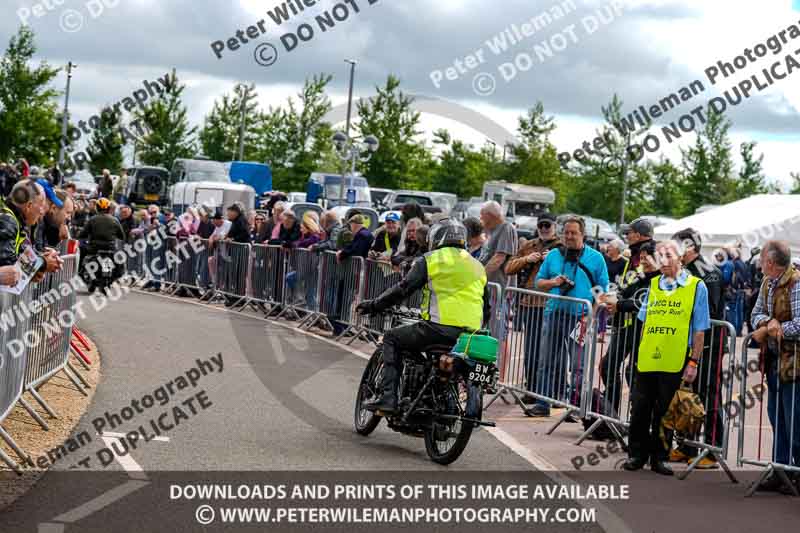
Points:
(412, 338)
(708, 385)
(651, 396)
(623, 343)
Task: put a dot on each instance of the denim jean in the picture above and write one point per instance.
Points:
(560, 359)
(783, 409)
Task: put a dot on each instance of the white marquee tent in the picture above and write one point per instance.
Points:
(751, 221)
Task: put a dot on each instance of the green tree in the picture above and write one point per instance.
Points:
(534, 160)
(662, 186)
(219, 136)
(708, 165)
(795, 183)
(106, 143)
(29, 125)
(461, 169)
(168, 134)
(401, 158)
(600, 175)
(751, 177)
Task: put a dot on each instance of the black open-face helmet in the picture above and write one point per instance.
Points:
(447, 232)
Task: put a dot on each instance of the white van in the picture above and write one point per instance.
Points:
(519, 200)
(205, 182)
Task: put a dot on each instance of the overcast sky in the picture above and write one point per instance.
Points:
(649, 50)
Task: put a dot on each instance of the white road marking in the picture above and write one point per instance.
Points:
(133, 469)
(122, 436)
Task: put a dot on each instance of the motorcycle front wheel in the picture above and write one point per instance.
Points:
(365, 421)
(447, 438)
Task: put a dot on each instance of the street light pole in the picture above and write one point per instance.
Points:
(347, 128)
(63, 148)
(624, 180)
(241, 123)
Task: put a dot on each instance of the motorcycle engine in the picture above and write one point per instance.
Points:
(413, 380)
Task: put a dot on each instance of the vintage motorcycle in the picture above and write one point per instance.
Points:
(440, 396)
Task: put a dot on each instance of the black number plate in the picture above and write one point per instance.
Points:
(483, 373)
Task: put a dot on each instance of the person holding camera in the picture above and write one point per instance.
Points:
(577, 271)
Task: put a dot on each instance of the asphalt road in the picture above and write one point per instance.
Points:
(282, 403)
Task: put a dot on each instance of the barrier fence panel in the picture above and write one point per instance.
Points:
(498, 315)
(340, 290)
(548, 344)
(775, 389)
(135, 252)
(13, 361)
(266, 274)
(232, 262)
(170, 267)
(300, 283)
(193, 255)
(378, 276)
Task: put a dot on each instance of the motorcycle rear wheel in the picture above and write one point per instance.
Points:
(365, 421)
(446, 440)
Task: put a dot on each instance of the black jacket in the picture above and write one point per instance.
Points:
(8, 233)
(712, 277)
(127, 225)
(633, 262)
(240, 231)
(414, 281)
(46, 235)
(630, 298)
(101, 231)
(379, 244)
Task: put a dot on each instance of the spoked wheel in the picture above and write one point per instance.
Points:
(365, 421)
(448, 437)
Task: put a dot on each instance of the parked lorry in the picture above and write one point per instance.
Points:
(205, 182)
(326, 188)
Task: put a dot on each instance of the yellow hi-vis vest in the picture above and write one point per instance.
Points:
(665, 335)
(20, 238)
(453, 295)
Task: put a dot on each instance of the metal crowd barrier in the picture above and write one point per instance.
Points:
(35, 339)
(53, 323)
(268, 267)
(776, 452)
(340, 291)
(170, 281)
(545, 351)
(13, 362)
(378, 276)
(232, 265)
(300, 285)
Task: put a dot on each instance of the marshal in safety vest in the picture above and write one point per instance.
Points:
(665, 335)
(453, 295)
(20, 237)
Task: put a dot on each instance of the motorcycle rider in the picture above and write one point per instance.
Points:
(455, 300)
(101, 232)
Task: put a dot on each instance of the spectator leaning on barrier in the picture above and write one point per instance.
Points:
(289, 229)
(475, 236)
(615, 261)
(127, 221)
(577, 271)
(274, 224)
(776, 320)
(501, 245)
(707, 386)
(525, 265)
(387, 238)
(310, 232)
(150, 224)
(239, 230)
(333, 229)
(627, 303)
(410, 248)
(259, 231)
(52, 229)
(362, 240)
(675, 316)
(23, 209)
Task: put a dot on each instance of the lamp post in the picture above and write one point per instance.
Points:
(352, 152)
(347, 127)
(62, 149)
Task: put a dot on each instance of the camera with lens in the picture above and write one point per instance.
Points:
(567, 286)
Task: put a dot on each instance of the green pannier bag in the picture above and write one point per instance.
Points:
(479, 346)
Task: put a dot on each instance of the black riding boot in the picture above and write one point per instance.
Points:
(387, 402)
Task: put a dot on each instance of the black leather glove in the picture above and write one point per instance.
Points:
(365, 308)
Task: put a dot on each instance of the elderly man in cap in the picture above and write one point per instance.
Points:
(637, 233)
(387, 238)
(362, 240)
(675, 316)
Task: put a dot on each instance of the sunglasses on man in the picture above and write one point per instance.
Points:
(544, 225)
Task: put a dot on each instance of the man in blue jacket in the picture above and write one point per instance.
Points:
(362, 240)
(573, 270)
